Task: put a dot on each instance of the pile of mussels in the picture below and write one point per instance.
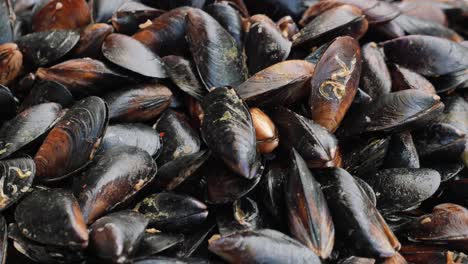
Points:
(233, 131)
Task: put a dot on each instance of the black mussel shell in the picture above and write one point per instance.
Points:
(103, 9)
(6, 21)
(171, 4)
(84, 76)
(243, 214)
(135, 134)
(133, 55)
(215, 52)
(403, 79)
(342, 20)
(401, 152)
(441, 141)
(174, 173)
(27, 127)
(194, 241)
(284, 83)
(11, 63)
(367, 189)
(183, 73)
(415, 26)
(229, 132)
(427, 55)
(310, 221)
(43, 48)
(228, 17)
(48, 91)
(52, 217)
(317, 146)
(8, 103)
(375, 77)
(364, 155)
(272, 188)
(73, 141)
(371, 236)
(169, 260)
(178, 137)
(399, 189)
(115, 176)
(140, 103)
(451, 81)
(357, 260)
(446, 169)
(91, 39)
(131, 16)
(168, 211)
(261, 246)
(17, 176)
(3, 240)
(317, 53)
(278, 8)
(115, 237)
(154, 243)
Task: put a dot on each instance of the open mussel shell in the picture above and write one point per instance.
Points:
(403, 79)
(243, 214)
(132, 55)
(11, 62)
(413, 186)
(27, 126)
(313, 142)
(6, 22)
(84, 76)
(259, 246)
(334, 83)
(115, 176)
(178, 137)
(115, 237)
(17, 176)
(218, 59)
(91, 39)
(229, 132)
(44, 48)
(370, 235)
(228, 17)
(169, 211)
(174, 173)
(364, 155)
(342, 20)
(139, 103)
(310, 221)
(8, 103)
(73, 141)
(418, 53)
(446, 224)
(45, 92)
(134, 134)
(265, 45)
(52, 217)
(283, 83)
(154, 243)
(130, 16)
(415, 26)
(60, 14)
(402, 152)
(375, 77)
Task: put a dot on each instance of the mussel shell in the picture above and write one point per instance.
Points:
(6, 21)
(172, 212)
(309, 218)
(441, 141)
(27, 127)
(3, 240)
(342, 20)
(60, 14)
(130, 16)
(415, 26)
(313, 142)
(283, 83)
(91, 39)
(135, 134)
(278, 8)
(178, 137)
(287, 27)
(451, 81)
(265, 131)
(114, 237)
(11, 62)
(272, 193)
(228, 131)
(152, 244)
(169, 260)
(171, 4)
(402, 152)
(357, 260)
(365, 154)
(215, 52)
(73, 141)
(184, 74)
(403, 79)
(420, 253)
(419, 53)
(140, 103)
(84, 76)
(229, 17)
(375, 77)
(45, 92)
(104, 9)
(334, 83)
(52, 217)
(8, 103)
(115, 176)
(243, 214)
(44, 48)
(402, 188)
(17, 176)
(133, 55)
(265, 245)
(428, 11)
(446, 169)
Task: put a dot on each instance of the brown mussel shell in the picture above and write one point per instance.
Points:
(335, 82)
(265, 131)
(11, 62)
(168, 211)
(131, 16)
(113, 237)
(27, 126)
(418, 253)
(52, 217)
(287, 27)
(218, 59)
(91, 39)
(60, 14)
(228, 131)
(375, 77)
(115, 176)
(402, 152)
(73, 141)
(47, 92)
(17, 176)
(310, 221)
(132, 55)
(283, 83)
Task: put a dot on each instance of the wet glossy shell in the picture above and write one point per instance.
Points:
(17, 176)
(60, 14)
(91, 39)
(45, 92)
